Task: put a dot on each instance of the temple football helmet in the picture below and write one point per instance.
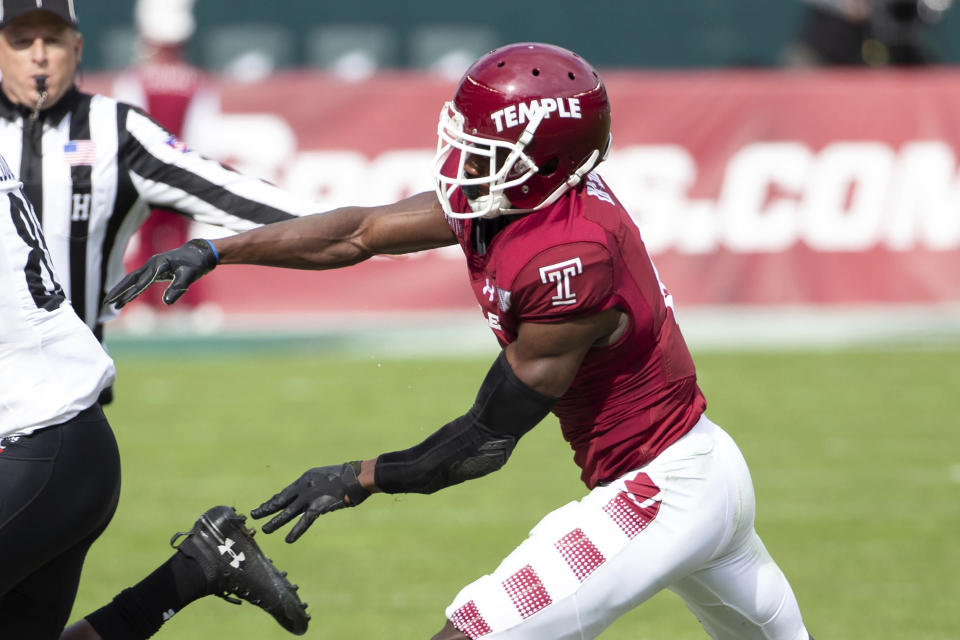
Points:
(537, 118)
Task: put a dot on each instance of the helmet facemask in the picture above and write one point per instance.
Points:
(527, 123)
(508, 166)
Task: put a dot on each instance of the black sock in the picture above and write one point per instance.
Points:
(138, 612)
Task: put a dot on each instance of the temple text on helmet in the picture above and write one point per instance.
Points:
(520, 114)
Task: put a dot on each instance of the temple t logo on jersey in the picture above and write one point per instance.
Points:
(519, 114)
(560, 274)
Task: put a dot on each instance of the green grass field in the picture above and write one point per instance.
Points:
(855, 457)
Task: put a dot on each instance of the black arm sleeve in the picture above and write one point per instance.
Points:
(474, 444)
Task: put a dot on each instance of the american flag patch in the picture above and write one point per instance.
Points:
(175, 143)
(78, 152)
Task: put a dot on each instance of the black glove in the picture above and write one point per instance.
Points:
(318, 491)
(183, 266)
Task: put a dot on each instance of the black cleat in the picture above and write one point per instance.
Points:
(235, 566)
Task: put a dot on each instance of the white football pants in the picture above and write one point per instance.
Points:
(683, 522)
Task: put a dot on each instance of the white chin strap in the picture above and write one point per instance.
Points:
(490, 206)
(571, 182)
(568, 184)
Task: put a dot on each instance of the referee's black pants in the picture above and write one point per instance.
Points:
(58, 491)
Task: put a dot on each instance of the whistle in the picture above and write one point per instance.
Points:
(41, 95)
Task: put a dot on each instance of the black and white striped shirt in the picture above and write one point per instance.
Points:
(94, 168)
(53, 368)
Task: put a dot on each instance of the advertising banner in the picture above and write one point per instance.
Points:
(757, 188)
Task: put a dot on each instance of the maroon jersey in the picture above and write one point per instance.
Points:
(580, 256)
(168, 89)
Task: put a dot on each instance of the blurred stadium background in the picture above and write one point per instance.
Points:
(793, 166)
(609, 33)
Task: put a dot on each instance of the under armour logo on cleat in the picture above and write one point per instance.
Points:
(169, 613)
(226, 549)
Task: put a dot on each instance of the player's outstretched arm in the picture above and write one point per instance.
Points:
(342, 237)
(338, 238)
(519, 390)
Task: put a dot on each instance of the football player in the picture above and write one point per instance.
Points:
(588, 332)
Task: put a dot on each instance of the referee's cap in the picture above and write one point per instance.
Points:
(13, 9)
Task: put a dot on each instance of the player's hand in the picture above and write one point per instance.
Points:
(181, 266)
(318, 491)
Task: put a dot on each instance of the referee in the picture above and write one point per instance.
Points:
(60, 471)
(93, 168)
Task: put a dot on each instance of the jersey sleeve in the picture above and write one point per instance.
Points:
(169, 175)
(564, 281)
